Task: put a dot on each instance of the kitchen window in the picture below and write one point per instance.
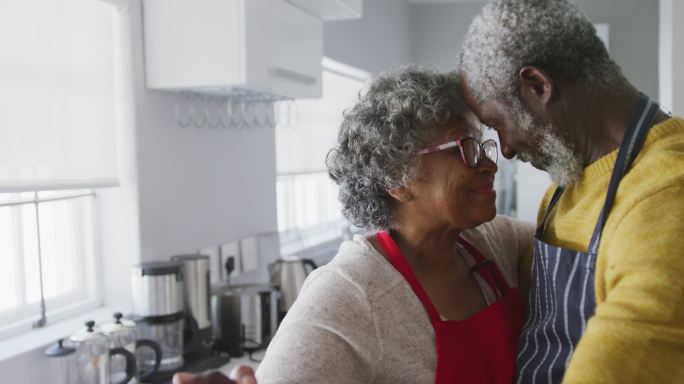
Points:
(308, 210)
(61, 72)
(47, 263)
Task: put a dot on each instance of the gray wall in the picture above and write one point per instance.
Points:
(380, 39)
(394, 32)
(437, 31)
(633, 37)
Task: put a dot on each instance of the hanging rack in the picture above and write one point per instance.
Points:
(241, 109)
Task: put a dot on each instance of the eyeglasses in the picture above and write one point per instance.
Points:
(471, 150)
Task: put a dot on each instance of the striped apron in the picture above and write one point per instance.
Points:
(561, 298)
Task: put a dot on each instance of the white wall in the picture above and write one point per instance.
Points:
(377, 41)
(634, 26)
(672, 56)
(438, 31)
(197, 187)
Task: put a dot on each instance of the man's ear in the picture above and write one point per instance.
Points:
(401, 194)
(536, 87)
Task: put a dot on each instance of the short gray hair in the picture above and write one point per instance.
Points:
(398, 114)
(551, 34)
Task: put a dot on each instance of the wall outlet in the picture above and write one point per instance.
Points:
(249, 246)
(228, 250)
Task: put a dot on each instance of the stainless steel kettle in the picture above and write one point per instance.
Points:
(288, 274)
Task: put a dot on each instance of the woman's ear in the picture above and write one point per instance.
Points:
(536, 87)
(401, 194)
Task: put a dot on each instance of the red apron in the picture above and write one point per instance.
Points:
(481, 348)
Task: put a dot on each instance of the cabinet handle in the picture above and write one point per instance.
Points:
(292, 75)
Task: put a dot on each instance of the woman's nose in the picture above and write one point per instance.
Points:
(488, 165)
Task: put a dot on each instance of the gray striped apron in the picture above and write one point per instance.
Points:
(561, 298)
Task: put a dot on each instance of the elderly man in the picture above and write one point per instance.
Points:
(606, 303)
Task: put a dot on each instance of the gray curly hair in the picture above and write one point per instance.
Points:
(400, 112)
(551, 34)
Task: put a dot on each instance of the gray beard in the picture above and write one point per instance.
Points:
(554, 154)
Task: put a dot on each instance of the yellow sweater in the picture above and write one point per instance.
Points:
(637, 332)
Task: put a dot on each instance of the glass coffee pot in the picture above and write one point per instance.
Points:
(122, 334)
(92, 357)
(63, 363)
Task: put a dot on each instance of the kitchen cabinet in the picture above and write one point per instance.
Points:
(332, 9)
(218, 46)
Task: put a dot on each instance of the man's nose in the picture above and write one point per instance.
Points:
(506, 149)
(507, 152)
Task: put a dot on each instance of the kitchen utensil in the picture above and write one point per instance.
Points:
(92, 355)
(245, 316)
(288, 274)
(121, 333)
(197, 330)
(63, 363)
(158, 312)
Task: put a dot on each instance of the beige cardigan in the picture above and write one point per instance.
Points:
(357, 320)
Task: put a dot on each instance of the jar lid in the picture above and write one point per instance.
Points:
(59, 349)
(118, 325)
(88, 334)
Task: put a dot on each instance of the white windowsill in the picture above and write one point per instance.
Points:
(41, 338)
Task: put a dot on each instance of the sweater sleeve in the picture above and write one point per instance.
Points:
(637, 332)
(328, 336)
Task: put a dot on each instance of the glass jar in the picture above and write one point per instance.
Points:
(63, 362)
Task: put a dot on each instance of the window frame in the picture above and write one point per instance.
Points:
(320, 240)
(26, 316)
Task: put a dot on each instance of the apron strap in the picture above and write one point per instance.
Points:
(487, 268)
(639, 125)
(554, 199)
(490, 274)
(396, 257)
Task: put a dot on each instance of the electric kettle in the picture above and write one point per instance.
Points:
(288, 274)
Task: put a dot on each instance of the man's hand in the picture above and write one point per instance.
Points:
(239, 375)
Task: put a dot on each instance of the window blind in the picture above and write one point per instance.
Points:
(57, 100)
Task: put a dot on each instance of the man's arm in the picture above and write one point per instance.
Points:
(637, 332)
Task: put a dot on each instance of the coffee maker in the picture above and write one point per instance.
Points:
(159, 311)
(197, 331)
(245, 317)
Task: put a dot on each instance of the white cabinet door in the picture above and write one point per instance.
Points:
(269, 46)
(284, 49)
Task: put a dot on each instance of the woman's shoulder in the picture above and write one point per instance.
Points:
(504, 230)
(358, 268)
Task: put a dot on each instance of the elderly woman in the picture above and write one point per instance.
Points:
(430, 295)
